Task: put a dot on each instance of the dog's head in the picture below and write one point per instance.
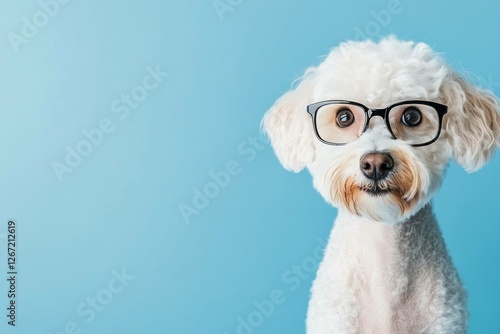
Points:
(377, 123)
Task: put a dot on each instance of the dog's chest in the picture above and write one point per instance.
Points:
(367, 270)
(375, 272)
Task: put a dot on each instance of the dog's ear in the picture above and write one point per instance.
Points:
(472, 124)
(289, 126)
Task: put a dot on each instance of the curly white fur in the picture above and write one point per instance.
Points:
(386, 269)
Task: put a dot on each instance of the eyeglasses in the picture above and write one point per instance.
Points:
(338, 122)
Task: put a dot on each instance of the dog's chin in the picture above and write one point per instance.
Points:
(391, 200)
(380, 202)
(380, 205)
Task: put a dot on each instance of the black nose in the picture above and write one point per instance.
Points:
(376, 166)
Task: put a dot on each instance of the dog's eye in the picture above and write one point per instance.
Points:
(345, 118)
(411, 117)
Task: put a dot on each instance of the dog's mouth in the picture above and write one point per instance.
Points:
(375, 189)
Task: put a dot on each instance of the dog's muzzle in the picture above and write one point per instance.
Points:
(376, 166)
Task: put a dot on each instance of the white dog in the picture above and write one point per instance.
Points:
(376, 124)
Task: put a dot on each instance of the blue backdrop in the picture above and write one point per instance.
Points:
(144, 197)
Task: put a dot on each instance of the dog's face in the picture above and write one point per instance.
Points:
(379, 171)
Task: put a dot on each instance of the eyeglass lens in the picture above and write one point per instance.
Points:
(343, 123)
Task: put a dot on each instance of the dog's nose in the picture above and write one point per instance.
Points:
(376, 165)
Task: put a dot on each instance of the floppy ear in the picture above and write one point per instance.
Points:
(289, 126)
(472, 123)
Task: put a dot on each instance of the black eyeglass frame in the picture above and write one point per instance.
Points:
(441, 109)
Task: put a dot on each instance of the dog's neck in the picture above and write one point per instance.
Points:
(370, 229)
(388, 262)
(385, 247)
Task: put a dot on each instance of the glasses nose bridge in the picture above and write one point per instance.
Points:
(374, 112)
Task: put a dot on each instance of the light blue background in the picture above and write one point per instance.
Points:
(119, 209)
